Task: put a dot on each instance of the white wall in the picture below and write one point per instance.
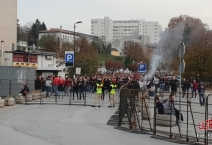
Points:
(43, 62)
(152, 29)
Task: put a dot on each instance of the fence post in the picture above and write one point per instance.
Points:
(187, 139)
(10, 88)
(85, 99)
(206, 118)
(154, 130)
(70, 98)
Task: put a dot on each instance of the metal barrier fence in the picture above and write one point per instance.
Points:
(4, 87)
(207, 123)
(146, 117)
(81, 96)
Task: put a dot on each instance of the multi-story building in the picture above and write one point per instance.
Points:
(66, 35)
(103, 28)
(8, 27)
(117, 29)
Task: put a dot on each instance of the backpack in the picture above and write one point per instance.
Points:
(164, 101)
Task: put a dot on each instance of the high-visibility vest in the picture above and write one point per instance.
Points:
(99, 88)
(113, 90)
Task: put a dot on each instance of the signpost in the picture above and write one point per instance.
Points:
(181, 71)
(69, 58)
(142, 68)
(78, 70)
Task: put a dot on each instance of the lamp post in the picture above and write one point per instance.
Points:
(74, 32)
(74, 39)
(60, 39)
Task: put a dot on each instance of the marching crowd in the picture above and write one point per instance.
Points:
(100, 84)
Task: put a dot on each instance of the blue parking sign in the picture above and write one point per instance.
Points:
(69, 58)
(142, 68)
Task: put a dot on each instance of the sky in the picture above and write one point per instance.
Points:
(55, 13)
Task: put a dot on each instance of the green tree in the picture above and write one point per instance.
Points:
(34, 32)
(96, 45)
(49, 43)
(43, 26)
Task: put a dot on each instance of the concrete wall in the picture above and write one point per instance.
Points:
(8, 23)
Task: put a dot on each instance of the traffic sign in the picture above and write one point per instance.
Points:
(78, 70)
(69, 58)
(182, 50)
(142, 68)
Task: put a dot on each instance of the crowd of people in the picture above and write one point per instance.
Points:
(77, 87)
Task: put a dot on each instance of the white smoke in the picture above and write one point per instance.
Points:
(171, 39)
(154, 64)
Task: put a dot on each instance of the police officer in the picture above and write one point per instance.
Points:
(112, 91)
(98, 90)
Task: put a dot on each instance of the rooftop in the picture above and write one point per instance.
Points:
(33, 52)
(57, 30)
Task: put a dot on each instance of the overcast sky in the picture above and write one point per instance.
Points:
(66, 12)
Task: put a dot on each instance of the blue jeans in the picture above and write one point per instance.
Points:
(161, 86)
(202, 97)
(48, 90)
(177, 120)
(81, 91)
(194, 91)
(61, 92)
(67, 91)
(56, 90)
(91, 89)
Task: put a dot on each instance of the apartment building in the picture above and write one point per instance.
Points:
(117, 29)
(103, 28)
(8, 28)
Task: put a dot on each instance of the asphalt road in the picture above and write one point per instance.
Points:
(52, 124)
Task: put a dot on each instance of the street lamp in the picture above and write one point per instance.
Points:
(60, 36)
(74, 32)
(74, 38)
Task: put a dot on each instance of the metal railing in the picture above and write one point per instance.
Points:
(192, 110)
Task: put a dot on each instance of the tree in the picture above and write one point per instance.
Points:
(49, 43)
(43, 26)
(198, 54)
(132, 67)
(96, 45)
(34, 32)
(113, 65)
(134, 51)
(86, 57)
(197, 38)
(23, 32)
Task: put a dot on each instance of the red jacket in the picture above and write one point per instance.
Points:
(56, 81)
(68, 82)
(195, 85)
(61, 81)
